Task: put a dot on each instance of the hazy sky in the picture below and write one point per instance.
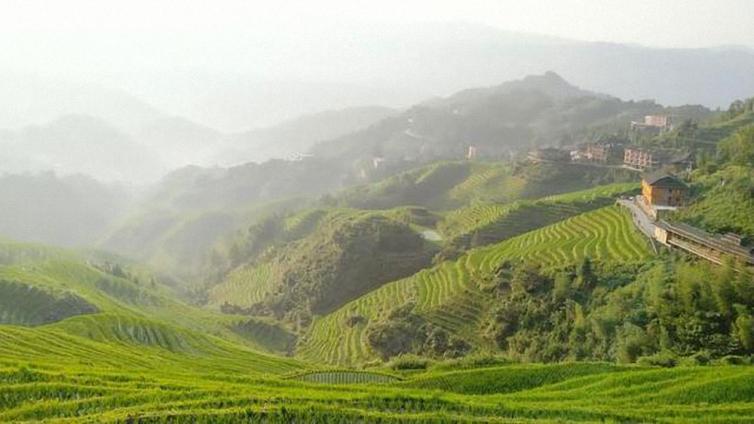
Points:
(667, 23)
(224, 62)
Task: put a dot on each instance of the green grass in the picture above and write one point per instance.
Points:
(447, 295)
(514, 393)
(717, 131)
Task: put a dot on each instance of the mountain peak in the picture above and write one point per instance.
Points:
(550, 83)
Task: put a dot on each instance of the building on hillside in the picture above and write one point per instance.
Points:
(549, 154)
(661, 193)
(599, 152)
(472, 152)
(645, 158)
(711, 247)
(639, 158)
(661, 189)
(653, 123)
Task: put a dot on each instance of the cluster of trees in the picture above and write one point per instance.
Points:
(344, 255)
(738, 149)
(669, 309)
(405, 332)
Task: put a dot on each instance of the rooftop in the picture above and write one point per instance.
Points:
(663, 179)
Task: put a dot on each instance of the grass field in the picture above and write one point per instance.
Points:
(447, 295)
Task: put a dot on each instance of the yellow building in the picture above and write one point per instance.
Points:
(663, 190)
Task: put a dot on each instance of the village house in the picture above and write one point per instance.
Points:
(646, 158)
(653, 123)
(661, 189)
(661, 193)
(599, 152)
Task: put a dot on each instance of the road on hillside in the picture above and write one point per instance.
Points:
(641, 220)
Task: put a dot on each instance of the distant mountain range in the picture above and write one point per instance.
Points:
(91, 145)
(402, 65)
(538, 110)
(394, 67)
(297, 136)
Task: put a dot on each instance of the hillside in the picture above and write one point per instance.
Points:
(64, 210)
(485, 222)
(450, 295)
(538, 110)
(449, 185)
(296, 136)
(344, 255)
(79, 144)
(175, 224)
(90, 296)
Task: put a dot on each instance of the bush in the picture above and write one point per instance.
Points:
(733, 360)
(697, 359)
(473, 361)
(662, 359)
(409, 362)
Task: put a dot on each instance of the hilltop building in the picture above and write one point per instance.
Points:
(643, 158)
(653, 123)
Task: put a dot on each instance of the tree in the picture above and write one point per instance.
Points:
(562, 286)
(745, 331)
(739, 147)
(586, 278)
(744, 286)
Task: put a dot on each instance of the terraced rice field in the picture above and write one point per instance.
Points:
(517, 393)
(303, 222)
(495, 222)
(245, 286)
(447, 294)
(604, 234)
(491, 182)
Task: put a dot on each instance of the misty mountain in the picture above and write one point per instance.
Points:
(32, 100)
(71, 211)
(75, 144)
(404, 64)
(179, 141)
(298, 135)
(539, 110)
(193, 207)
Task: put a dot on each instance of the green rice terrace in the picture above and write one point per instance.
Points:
(555, 309)
(178, 392)
(448, 294)
(96, 343)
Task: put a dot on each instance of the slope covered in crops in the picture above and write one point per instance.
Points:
(557, 393)
(84, 295)
(492, 222)
(449, 296)
(345, 254)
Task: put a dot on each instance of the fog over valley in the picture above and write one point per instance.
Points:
(378, 212)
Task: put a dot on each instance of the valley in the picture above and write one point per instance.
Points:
(393, 273)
